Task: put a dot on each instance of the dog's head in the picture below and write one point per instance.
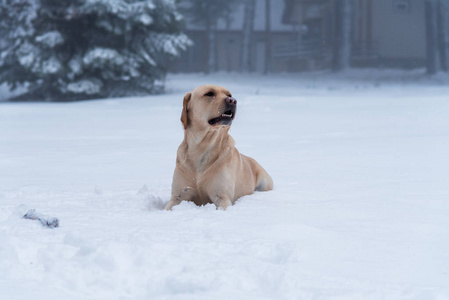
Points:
(209, 106)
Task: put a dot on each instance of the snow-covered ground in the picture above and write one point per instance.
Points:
(360, 208)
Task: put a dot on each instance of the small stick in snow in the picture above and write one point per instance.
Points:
(47, 221)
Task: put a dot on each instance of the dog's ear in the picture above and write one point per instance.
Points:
(184, 115)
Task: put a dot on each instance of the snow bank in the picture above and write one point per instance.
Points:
(359, 209)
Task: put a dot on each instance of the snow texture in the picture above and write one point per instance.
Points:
(51, 39)
(88, 87)
(75, 65)
(145, 19)
(170, 43)
(28, 54)
(50, 66)
(100, 56)
(359, 210)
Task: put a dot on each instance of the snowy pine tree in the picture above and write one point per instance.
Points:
(16, 30)
(90, 48)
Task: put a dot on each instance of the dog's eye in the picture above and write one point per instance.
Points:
(210, 94)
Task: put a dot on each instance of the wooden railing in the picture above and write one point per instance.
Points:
(300, 49)
(316, 49)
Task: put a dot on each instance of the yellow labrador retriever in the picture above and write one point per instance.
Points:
(209, 169)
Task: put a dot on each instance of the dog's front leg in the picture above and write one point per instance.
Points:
(177, 198)
(221, 201)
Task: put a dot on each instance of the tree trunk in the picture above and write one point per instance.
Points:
(442, 34)
(267, 37)
(248, 25)
(212, 63)
(431, 37)
(343, 41)
(211, 45)
(227, 44)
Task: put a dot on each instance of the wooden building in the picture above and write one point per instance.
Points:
(385, 33)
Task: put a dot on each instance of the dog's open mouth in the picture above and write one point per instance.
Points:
(224, 119)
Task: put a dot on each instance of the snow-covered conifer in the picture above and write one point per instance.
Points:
(65, 50)
(16, 50)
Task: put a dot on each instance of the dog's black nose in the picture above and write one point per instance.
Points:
(231, 100)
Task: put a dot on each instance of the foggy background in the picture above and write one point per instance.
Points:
(301, 35)
(59, 51)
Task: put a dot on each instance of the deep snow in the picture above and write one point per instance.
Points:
(359, 210)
